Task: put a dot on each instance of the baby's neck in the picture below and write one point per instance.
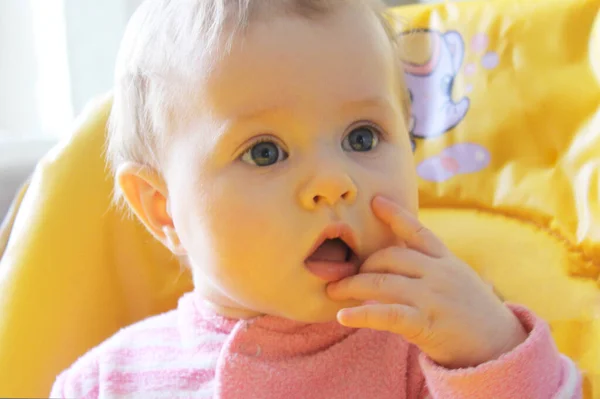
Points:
(231, 312)
(219, 303)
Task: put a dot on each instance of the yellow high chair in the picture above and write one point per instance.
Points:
(506, 122)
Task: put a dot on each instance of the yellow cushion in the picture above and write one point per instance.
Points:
(528, 265)
(509, 181)
(509, 152)
(75, 270)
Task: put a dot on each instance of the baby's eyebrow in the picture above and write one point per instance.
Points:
(368, 102)
(346, 107)
(259, 113)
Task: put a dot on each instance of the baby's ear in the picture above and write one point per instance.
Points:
(146, 194)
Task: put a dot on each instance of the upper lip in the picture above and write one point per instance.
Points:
(333, 231)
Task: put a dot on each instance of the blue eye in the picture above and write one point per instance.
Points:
(264, 153)
(361, 139)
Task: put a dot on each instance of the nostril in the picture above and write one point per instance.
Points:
(347, 196)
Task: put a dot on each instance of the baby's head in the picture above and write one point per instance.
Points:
(243, 129)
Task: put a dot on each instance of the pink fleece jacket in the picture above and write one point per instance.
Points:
(192, 352)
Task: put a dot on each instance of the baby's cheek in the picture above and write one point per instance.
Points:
(243, 224)
(398, 183)
(254, 258)
(404, 184)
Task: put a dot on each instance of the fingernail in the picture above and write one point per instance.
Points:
(344, 316)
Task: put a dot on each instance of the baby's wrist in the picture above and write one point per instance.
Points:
(518, 336)
(528, 370)
(489, 350)
(515, 334)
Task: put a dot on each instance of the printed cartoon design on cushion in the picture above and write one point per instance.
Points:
(431, 65)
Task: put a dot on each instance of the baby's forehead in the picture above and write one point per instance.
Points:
(343, 60)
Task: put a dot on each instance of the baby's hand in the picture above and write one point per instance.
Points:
(429, 296)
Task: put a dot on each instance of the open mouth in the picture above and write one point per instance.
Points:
(333, 257)
(332, 250)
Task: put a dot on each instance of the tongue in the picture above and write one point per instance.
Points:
(331, 251)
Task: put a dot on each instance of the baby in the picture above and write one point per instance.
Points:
(265, 143)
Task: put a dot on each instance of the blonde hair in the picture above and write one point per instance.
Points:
(164, 45)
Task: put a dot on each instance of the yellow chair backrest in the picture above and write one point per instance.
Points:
(75, 270)
(506, 120)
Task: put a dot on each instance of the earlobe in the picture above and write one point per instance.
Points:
(172, 241)
(145, 192)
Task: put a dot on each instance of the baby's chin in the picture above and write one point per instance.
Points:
(321, 311)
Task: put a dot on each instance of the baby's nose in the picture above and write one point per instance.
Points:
(328, 188)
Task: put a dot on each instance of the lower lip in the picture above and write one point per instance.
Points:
(331, 271)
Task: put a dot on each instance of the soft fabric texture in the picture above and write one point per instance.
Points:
(192, 352)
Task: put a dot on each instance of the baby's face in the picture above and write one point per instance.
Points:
(298, 129)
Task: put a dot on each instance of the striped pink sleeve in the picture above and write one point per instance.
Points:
(79, 381)
(535, 369)
(163, 356)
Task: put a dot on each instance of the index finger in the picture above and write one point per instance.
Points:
(408, 228)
